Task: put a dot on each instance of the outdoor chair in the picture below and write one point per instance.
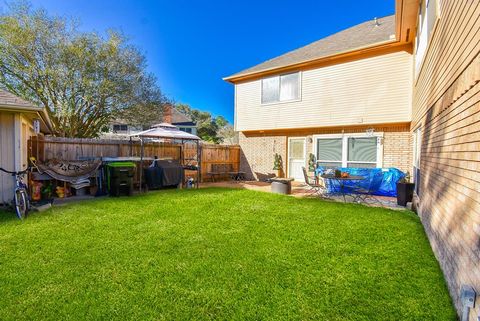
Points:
(366, 195)
(316, 186)
(219, 170)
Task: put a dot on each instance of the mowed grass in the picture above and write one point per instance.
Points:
(218, 254)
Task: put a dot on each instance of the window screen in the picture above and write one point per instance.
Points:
(329, 149)
(270, 89)
(296, 148)
(280, 88)
(289, 87)
(362, 149)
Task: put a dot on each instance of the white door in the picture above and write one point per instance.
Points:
(296, 158)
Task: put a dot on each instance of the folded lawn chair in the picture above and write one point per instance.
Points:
(316, 186)
(366, 195)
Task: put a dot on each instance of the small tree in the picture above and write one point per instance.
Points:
(278, 164)
(212, 129)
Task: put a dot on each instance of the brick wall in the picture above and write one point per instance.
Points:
(257, 155)
(398, 150)
(449, 197)
(257, 151)
(446, 106)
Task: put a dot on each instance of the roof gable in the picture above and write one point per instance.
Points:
(362, 35)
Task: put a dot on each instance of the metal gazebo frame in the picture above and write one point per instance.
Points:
(168, 131)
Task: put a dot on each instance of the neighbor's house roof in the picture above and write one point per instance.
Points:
(179, 117)
(366, 34)
(13, 103)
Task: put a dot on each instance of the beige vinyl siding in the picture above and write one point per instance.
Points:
(7, 155)
(373, 90)
(446, 106)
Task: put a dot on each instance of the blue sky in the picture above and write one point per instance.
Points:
(191, 45)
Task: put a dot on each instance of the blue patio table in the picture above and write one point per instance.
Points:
(344, 189)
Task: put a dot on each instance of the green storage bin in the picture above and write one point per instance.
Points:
(120, 178)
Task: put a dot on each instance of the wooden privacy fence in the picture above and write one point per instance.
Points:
(46, 148)
(219, 154)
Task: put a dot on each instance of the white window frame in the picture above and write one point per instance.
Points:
(279, 84)
(417, 147)
(345, 137)
(425, 31)
(417, 153)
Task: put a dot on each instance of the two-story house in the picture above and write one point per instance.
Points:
(401, 91)
(345, 98)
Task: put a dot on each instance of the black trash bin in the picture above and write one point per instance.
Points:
(120, 178)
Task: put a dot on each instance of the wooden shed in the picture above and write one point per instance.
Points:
(17, 121)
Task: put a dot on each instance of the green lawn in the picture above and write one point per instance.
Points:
(218, 254)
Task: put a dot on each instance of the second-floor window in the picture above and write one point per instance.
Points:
(281, 88)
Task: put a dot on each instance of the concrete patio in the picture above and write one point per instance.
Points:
(298, 190)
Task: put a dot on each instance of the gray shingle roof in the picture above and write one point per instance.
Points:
(9, 99)
(178, 117)
(362, 35)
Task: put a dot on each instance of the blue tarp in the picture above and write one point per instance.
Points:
(380, 181)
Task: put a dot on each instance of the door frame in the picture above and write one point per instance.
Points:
(288, 151)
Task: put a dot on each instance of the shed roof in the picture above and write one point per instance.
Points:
(362, 35)
(13, 103)
(7, 99)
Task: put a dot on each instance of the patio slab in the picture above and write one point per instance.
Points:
(298, 190)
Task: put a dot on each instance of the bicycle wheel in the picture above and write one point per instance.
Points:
(21, 203)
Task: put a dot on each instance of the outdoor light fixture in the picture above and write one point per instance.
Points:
(467, 298)
(36, 126)
(380, 140)
(370, 131)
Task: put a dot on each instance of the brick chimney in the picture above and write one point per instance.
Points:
(167, 113)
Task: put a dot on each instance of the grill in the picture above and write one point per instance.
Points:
(165, 173)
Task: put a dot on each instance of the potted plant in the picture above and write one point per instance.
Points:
(278, 165)
(405, 190)
(312, 163)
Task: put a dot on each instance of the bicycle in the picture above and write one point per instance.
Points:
(20, 201)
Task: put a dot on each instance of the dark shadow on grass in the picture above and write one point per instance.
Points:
(7, 216)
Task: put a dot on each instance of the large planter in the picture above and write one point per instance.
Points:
(279, 173)
(281, 185)
(404, 193)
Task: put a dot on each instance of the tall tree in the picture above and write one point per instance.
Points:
(212, 129)
(82, 79)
